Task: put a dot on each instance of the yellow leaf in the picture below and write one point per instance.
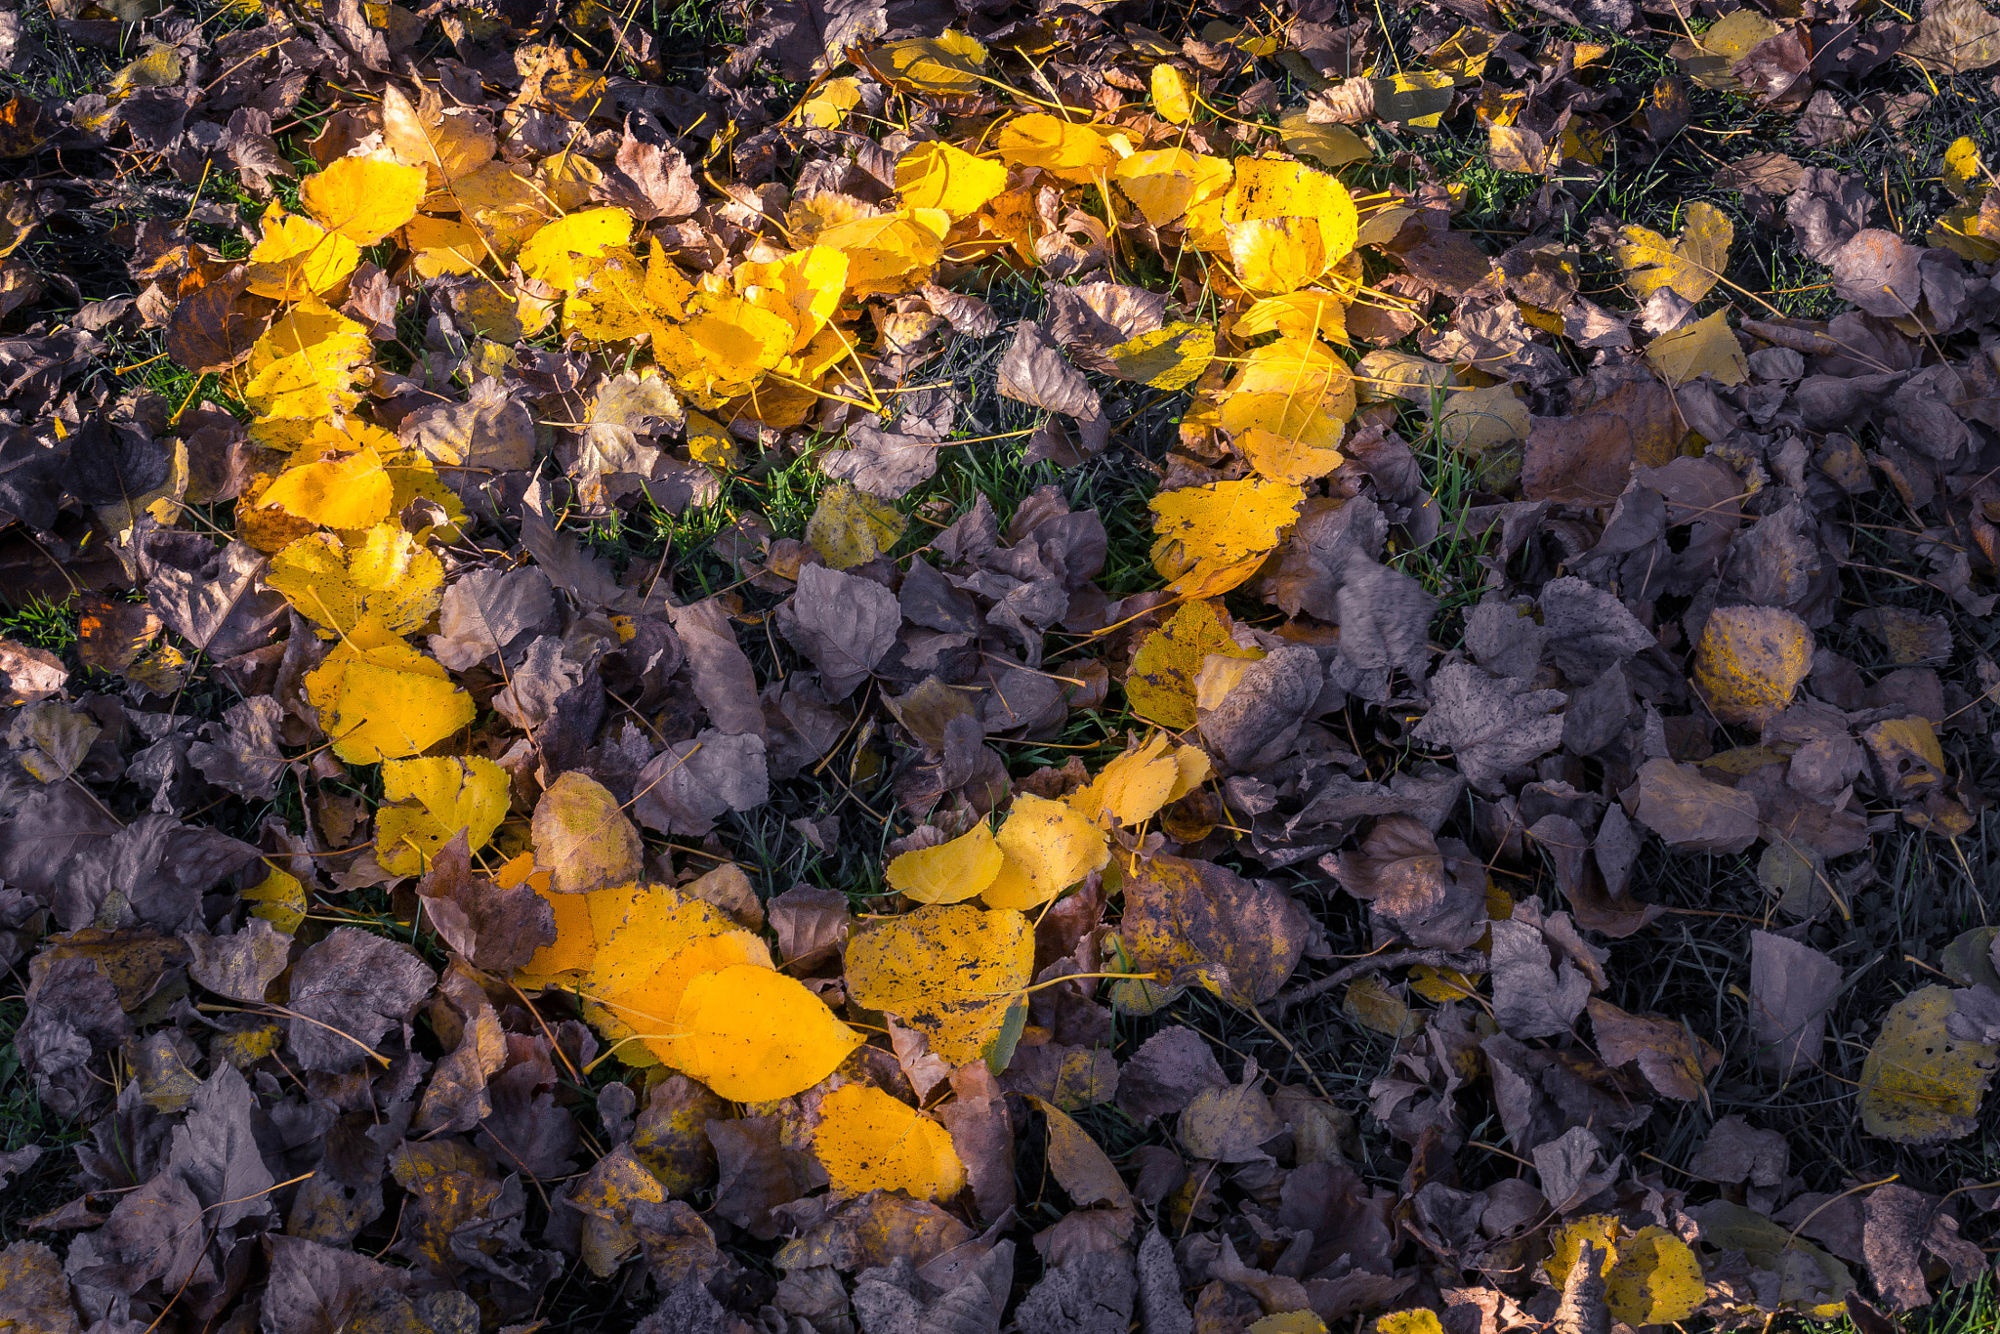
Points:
(440, 246)
(348, 491)
(946, 65)
(1278, 187)
(1706, 347)
(949, 972)
(950, 872)
(1964, 171)
(280, 898)
(380, 699)
(1418, 1321)
(936, 174)
(1328, 145)
(867, 1140)
(1064, 149)
(1566, 1245)
(1048, 846)
(1171, 96)
(363, 198)
(1281, 437)
(1481, 420)
(383, 575)
(447, 144)
(1310, 314)
(297, 258)
(1132, 788)
(1750, 661)
(890, 253)
(1656, 1279)
(827, 109)
(849, 527)
(1161, 685)
(551, 254)
(633, 991)
(1289, 1322)
(1209, 539)
(1272, 256)
(722, 349)
(583, 838)
(755, 1035)
(803, 289)
(1689, 266)
(607, 298)
(1171, 358)
(441, 795)
(305, 367)
(1163, 182)
(1920, 1084)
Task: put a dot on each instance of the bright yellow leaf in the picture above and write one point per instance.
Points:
(435, 797)
(305, 367)
(1170, 358)
(1209, 539)
(827, 109)
(1132, 788)
(1172, 98)
(1164, 182)
(867, 1140)
(1280, 187)
(552, 253)
(1064, 149)
(939, 175)
(384, 575)
(347, 491)
(1272, 256)
(363, 198)
(947, 65)
(755, 1035)
(380, 699)
(890, 253)
(950, 872)
(1314, 313)
(1048, 847)
(1418, 1321)
(803, 289)
(297, 258)
(949, 972)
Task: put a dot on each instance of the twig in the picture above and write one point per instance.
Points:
(1472, 962)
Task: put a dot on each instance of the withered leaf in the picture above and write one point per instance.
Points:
(347, 992)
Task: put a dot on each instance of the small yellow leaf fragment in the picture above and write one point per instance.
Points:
(1750, 661)
(1048, 847)
(828, 108)
(868, 1140)
(437, 796)
(1289, 1322)
(949, 972)
(755, 1035)
(363, 198)
(950, 872)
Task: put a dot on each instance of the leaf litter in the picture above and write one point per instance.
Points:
(996, 667)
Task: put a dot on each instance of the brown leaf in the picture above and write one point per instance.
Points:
(1035, 373)
(1792, 986)
(347, 992)
(1191, 920)
(1588, 457)
(1675, 1062)
(1691, 813)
